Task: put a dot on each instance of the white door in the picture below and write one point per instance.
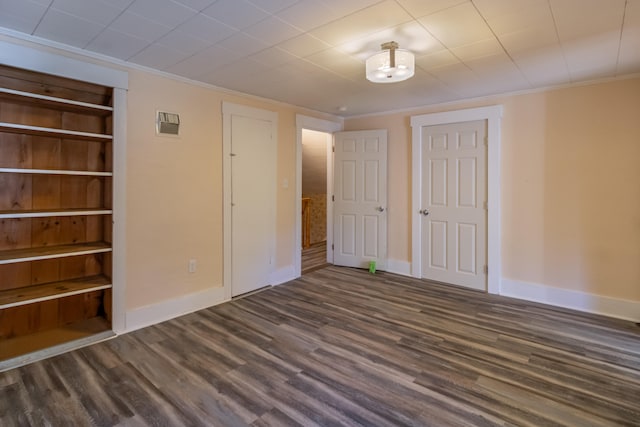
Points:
(360, 206)
(453, 203)
(251, 160)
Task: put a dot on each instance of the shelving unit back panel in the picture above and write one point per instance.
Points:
(59, 87)
(33, 115)
(41, 316)
(41, 192)
(22, 233)
(35, 152)
(19, 275)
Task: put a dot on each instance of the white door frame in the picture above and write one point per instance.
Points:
(311, 123)
(229, 109)
(493, 116)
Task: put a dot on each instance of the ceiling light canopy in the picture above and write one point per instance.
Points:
(390, 64)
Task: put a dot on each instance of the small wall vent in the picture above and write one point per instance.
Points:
(167, 123)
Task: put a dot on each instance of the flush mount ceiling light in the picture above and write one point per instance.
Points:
(390, 64)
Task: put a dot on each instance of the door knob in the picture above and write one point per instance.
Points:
(424, 212)
(380, 209)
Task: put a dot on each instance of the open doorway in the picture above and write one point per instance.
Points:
(328, 128)
(316, 152)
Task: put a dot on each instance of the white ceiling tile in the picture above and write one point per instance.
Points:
(386, 14)
(158, 57)
(272, 30)
(507, 16)
(273, 57)
(488, 47)
(303, 45)
(67, 29)
(338, 62)
(180, 41)
(411, 36)
(547, 42)
(237, 74)
(204, 62)
(117, 45)
(528, 38)
(120, 4)
(196, 4)
(21, 15)
(273, 6)
(206, 28)
(591, 18)
(139, 26)
(418, 8)
(91, 10)
(242, 44)
(438, 59)
(457, 26)
(592, 58)
(237, 13)
(543, 66)
(308, 14)
(165, 12)
(629, 59)
(342, 7)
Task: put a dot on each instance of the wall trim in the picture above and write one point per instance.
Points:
(576, 300)
(51, 63)
(165, 310)
(402, 268)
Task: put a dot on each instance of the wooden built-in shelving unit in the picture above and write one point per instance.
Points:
(56, 211)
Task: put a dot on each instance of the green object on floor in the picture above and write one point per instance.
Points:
(372, 267)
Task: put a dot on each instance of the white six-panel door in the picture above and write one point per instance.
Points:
(453, 203)
(360, 191)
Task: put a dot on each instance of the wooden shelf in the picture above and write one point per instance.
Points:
(20, 350)
(50, 252)
(63, 104)
(54, 212)
(54, 172)
(52, 132)
(45, 292)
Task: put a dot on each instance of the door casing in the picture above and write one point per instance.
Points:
(493, 116)
(311, 123)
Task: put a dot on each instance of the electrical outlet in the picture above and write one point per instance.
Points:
(193, 265)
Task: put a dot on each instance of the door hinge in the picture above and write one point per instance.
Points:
(333, 148)
(333, 198)
(485, 269)
(332, 247)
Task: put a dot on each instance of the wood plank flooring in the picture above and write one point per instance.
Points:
(343, 347)
(314, 257)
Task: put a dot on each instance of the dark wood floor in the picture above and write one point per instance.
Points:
(343, 347)
(314, 257)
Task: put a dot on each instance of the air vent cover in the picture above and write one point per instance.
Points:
(167, 123)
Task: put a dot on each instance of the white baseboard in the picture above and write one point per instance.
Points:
(582, 301)
(283, 275)
(165, 310)
(399, 267)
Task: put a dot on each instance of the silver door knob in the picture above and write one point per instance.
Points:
(424, 212)
(380, 209)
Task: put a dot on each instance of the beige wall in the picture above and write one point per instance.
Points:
(570, 186)
(174, 188)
